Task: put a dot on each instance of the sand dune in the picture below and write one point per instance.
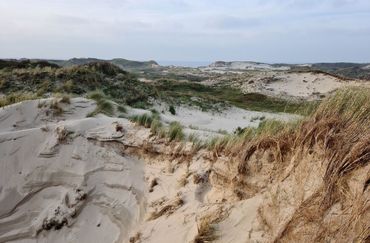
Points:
(64, 180)
(55, 176)
(67, 178)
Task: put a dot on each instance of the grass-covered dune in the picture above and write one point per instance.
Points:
(21, 80)
(327, 155)
(38, 80)
(10, 64)
(313, 174)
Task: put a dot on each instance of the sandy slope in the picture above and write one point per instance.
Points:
(74, 179)
(296, 85)
(68, 179)
(53, 175)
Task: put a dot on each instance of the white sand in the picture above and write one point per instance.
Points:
(60, 181)
(211, 123)
(69, 179)
(305, 85)
(95, 191)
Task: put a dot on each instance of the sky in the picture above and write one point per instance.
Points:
(274, 31)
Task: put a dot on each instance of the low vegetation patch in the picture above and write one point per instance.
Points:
(43, 80)
(217, 97)
(103, 105)
(16, 97)
(144, 120)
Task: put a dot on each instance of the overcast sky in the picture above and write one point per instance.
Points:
(294, 31)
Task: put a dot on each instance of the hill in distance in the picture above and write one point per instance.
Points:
(120, 62)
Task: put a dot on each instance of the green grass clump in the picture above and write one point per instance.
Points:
(152, 121)
(268, 127)
(144, 120)
(96, 95)
(156, 127)
(104, 107)
(175, 132)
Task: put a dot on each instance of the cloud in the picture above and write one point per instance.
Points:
(185, 29)
(232, 22)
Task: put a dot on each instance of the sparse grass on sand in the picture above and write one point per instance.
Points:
(144, 120)
(174, 132)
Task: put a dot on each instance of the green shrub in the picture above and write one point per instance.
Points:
(172, 110)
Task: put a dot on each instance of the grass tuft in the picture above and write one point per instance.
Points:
(206, 230)
(175, 132)
(103, 105)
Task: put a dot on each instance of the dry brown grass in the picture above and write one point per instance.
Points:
(55, 108)
(183, 181)
(62, 134)
(206, 231)
(167, 208)
(340, 129)
(321, 160)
